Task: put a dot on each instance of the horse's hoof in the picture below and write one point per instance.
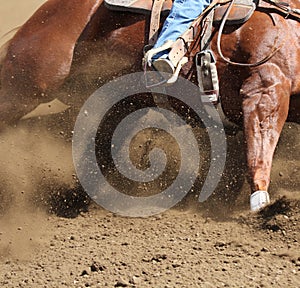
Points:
(258, 200)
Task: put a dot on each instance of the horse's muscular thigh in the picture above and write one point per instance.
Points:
(40, 54)
(265, 108)
(266, 91)
(266, 97)
(38, 66)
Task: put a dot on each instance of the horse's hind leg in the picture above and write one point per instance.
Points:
(265, 108)
(40, 55)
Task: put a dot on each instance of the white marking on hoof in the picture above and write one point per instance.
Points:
(258, 200)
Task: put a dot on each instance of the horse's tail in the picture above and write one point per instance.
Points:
(3, 51)
(3, 47)
(14, 30)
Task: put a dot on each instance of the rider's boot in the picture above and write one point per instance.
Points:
(181, 16)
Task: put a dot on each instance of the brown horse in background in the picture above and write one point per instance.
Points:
(40, 55)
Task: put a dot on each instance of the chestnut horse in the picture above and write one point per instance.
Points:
(261, 98)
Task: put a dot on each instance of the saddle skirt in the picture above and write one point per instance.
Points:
(137, 6)
(240, 12)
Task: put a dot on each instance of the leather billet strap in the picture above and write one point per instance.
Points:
(206, 30)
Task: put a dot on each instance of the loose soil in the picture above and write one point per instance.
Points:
(53, 235)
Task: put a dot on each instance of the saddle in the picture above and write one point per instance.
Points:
(240, 11)
(137, 6)
(155, 8)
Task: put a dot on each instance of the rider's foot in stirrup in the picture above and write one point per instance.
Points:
(163, 65)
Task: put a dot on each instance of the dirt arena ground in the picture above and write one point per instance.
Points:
(53, 235)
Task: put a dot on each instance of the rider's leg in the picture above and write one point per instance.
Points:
(181, 16)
